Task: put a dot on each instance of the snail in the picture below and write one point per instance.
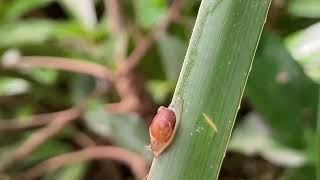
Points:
(163, 128)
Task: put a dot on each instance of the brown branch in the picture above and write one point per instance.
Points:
(117, 29)
(128, 82)
(59, 63)
(113, 10)
(83, 140)
(39, 120)
(36, 121)
(109, 168)
(57, 123)
(137, 165)
(146, 43)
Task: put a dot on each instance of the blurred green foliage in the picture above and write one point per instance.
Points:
(281, 91)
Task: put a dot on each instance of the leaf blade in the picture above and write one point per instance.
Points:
(212, 81)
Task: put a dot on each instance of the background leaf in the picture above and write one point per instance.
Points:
(304, 47)
(253, 137)
(17, 8)
(149, 12)
(305, 8)
(126, 130)
(83, 11)
(172, 52)
(280, 91)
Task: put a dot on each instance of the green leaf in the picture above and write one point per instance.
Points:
(81, 86)
(212, 81)
(17, 8)
(149, 12)
(83, 11)
(46, 150)
(253, 137)
(281, 92)
(172, 51)
(37, 31)
(44, 76)
(13, 86)
(305, 172)
(24, 32)
(127, 131)
(72, 172)
(160, 90)
(304, 8)
(304, 47)
(51, 38)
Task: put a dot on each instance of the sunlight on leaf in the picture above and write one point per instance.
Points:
(305, 48)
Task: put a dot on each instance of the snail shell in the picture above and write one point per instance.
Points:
(162, 130)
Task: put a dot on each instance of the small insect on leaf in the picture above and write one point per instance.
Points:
(210, 122)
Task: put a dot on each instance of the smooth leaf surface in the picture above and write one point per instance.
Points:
(212, 81)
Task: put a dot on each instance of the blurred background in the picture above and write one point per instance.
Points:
(81, 80)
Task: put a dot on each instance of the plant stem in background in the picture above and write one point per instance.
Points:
(212, 82)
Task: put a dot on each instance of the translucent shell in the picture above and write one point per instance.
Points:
(162, 130)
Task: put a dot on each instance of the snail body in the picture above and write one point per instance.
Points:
(162, 130)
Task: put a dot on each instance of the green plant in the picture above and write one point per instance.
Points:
(211, 82)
